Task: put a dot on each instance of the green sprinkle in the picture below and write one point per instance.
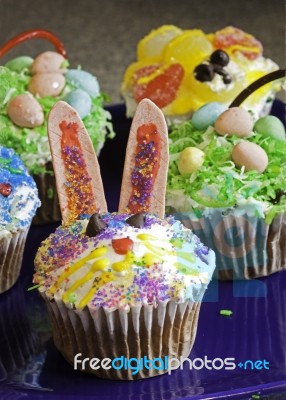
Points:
(226, 313)
(72, 298)
(33, 287)
(256, 396)
(50, 193)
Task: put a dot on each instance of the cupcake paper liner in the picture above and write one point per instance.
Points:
(18, 340)
(246, 247)
(168, 330)
(11, 255)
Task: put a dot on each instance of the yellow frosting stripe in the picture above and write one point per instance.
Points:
(146, 236)
(104, 278)
(186, 256)
(77, 265)
(125, 264)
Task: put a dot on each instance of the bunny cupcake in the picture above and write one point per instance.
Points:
(29, 88)
(126, 284)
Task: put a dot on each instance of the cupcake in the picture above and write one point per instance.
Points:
(124, 285)
(29, 89)
(18, 204)
(181, 70)
(226, 182)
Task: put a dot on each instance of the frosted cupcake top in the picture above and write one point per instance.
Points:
(180, 70)
(18, 194)
(118, 261)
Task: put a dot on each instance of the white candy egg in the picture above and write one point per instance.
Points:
(49, 61)
(234, 121)
(25, 111)
(190, 160)
(250, 155)
(47, 84)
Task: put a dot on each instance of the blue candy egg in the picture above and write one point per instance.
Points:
(207, 115)
(83, 80)
(80, 101)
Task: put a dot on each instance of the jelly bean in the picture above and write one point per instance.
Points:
(270, 126)
(80, 101)
(234, 121)
(25, 111)
(190, 160)
(207, 115)
(83, 80)
(250, 155)
(19, 63)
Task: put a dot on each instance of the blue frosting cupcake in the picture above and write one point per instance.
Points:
(18, 204)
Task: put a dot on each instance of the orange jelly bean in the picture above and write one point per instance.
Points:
(122, 246)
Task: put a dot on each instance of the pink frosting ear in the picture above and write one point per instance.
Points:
(146, 163)
(77, 172)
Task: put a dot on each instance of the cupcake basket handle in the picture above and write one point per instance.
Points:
(34, 34)
(272, 76)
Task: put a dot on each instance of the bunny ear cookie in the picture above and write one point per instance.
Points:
(78, 178)
(146, 162)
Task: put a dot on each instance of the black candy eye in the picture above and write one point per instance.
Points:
(204, 72)
(137, 220)
(219, 57)
(95, 225)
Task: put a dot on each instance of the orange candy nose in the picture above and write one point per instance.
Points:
(122, 246)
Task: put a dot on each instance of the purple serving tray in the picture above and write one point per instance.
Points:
(32, 368)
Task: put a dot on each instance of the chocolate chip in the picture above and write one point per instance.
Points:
(219, 57)
(204, 72)
(137, 220)
(95, 225)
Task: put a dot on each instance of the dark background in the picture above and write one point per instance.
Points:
(101, 35)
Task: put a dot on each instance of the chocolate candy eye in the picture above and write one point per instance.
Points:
(95, 225)
(219, 57)
(225, 75)
(5, 189)
(204, 72)
(137, 220)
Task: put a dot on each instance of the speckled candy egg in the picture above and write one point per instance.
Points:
(234, 121)
(190, 160)
(83, 80)
(207, 115)
(19, 63)
(270, 126)
(79, 100)
(249, 155)
(47, 84)
(49, 61)
(25, 111)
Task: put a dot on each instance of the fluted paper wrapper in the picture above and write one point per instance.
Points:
(11, 256)
(49, 211)
(167, 330)
(246, 247)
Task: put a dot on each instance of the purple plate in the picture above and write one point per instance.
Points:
(254, 336)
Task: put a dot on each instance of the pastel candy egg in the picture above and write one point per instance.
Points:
(190, 160)
(80, 101)
(83, 80)
(25, 111)
(49, 61)
(19, 63)
(250, 155)
(234, 121)
(270, 126)
(207, 115)
(47, 84)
